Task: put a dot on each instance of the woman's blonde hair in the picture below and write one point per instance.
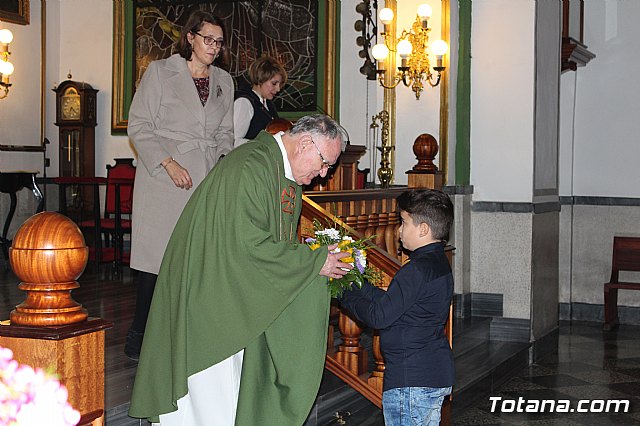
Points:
(264, 68)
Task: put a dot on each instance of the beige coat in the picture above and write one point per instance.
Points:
(167, 119)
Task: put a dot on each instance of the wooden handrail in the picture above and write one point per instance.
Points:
(354, 381)
(354, 195)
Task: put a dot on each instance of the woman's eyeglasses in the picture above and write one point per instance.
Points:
(209, 41)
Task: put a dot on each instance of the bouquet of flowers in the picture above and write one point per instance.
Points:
(29, 397)
(335, 234)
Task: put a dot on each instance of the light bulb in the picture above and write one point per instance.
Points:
(386, 16)
(425, 11)
(404, 48)
(6, 68)
(380, 51)
(439, 47)
(6, 36)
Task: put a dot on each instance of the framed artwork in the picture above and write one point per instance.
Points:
(301, 34)
(16, 11)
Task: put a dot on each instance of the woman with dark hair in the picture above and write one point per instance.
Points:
(254, 108)
(181, 124)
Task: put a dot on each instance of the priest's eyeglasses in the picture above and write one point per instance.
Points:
(208, 40)
(325, 163)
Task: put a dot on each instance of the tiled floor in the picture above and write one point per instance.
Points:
(590, 364)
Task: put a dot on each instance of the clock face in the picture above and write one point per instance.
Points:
(70, 105)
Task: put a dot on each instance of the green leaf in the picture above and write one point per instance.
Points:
(358, 280)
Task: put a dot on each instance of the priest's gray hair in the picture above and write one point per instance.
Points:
(322, 126)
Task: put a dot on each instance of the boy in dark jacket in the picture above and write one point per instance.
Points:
(411, 315)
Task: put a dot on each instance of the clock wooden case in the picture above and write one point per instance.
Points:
(76, 119)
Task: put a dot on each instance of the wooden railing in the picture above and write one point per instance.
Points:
(369, 212)
(362, 213)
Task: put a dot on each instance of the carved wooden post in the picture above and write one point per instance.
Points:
(48, 253)
(334, 312)
(377, 375)
(391, 234)
(351, 220)
(49, 329)
(371, 225)
(361, 224)
(376, 378)
(383, 220)
(425, 174)
(350, 353)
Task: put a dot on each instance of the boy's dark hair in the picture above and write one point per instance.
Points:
(429, 206)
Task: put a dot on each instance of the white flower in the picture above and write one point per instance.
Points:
(332, 233)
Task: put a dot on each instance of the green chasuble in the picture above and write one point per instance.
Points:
(234, 276)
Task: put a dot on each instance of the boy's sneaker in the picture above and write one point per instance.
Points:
(133, 345)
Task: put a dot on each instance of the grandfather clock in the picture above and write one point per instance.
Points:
(76, 118)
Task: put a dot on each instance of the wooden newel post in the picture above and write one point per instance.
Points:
(48, 253)
(350, 353)
(425, 174)
(49, 329)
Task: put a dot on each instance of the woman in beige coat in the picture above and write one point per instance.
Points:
(181, 124)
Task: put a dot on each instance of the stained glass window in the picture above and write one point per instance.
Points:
(283, 29)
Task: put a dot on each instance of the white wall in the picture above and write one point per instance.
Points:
(599, 150)
(415, 117)
(606, 125)
(20, 110)
(360, 99)
(73, 43)
(358, 96)
(84, 47)
(502, 99)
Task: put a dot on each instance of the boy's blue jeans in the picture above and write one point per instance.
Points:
(413, 406)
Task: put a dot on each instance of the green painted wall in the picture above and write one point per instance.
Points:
(463, 97)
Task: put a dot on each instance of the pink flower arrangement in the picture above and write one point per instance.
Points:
(30, 397)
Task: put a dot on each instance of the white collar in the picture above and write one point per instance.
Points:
(263, 101)
(288, 173)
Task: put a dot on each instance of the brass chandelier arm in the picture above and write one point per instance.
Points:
(397, 79)
(437, 80)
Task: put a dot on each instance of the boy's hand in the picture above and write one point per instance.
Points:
(333, 267)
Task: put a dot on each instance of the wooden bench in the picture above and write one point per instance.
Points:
(626, 257)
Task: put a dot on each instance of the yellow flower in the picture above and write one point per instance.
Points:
(348, 259)
(344, 244)
(314, 246)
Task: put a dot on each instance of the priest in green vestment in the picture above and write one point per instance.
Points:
(235, 279)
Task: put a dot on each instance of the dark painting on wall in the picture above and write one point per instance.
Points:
(296, 32)
(16, 11)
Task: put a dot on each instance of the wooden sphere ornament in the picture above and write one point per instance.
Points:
(278, 125)
(48, 254)
(425, 147)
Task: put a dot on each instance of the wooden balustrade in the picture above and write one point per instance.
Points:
(349, 360)
(371, 212)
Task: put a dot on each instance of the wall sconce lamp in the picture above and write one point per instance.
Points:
(6, 67)
(413, 48)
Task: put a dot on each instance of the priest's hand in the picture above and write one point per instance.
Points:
(178, 174)
(333, 267)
